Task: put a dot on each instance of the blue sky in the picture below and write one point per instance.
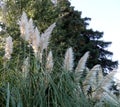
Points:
(105, 15)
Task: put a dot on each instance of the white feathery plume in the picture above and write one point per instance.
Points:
(107, 96)
(94, 79)
(81, 66)
(4, 11)
(82, 62)
(23, 23)
(49, 64)
(30, 30)
(25, 67)
(103, 91)
(36, 40)
(54, 2)
(44, 39)
(8, 47)
(106, 82)
(68, 61)
(49, 68)
(94, 76)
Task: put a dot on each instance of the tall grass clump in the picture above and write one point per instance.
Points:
(33, 78)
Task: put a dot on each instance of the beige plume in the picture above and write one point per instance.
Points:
(35, 40)
(94, 79)
(23, 23)
(31, 31)
(49, 64)
(68, 61)
(106, 82)
(8, 47)
(44, 39)
(25, 67)
(94, 76)
(81, 66)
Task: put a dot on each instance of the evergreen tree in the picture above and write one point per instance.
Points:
(98, 50)
(71, 29)
(72, 32)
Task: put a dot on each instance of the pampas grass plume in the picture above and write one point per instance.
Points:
(36, 40)
(82, 63)
(8, 47)
(106, 83)
(94, 75)
(44, 39)
(49, 64)
(30, 30)
(68, 61)
(23, 23)
(25, 67)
